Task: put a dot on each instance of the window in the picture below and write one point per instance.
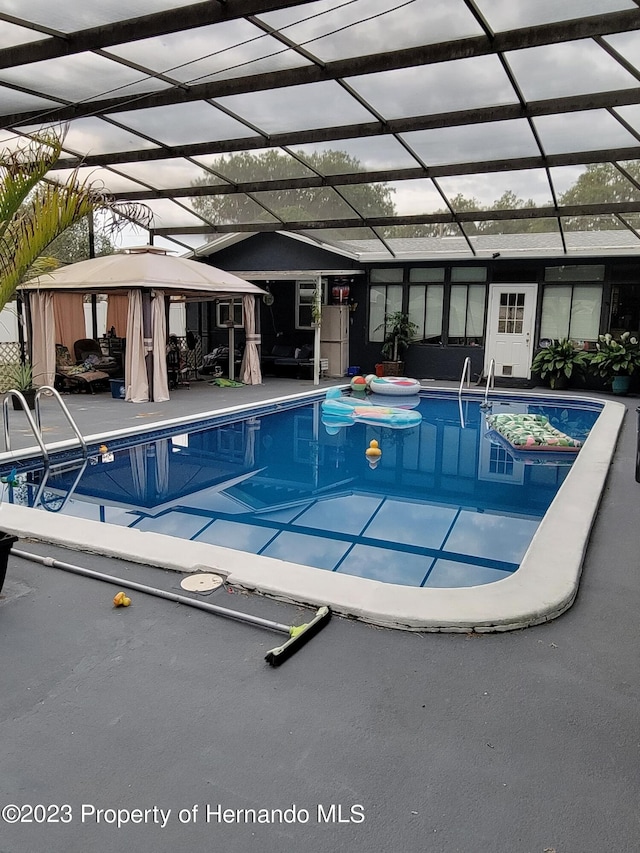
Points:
(466, 314)
(625, 309)
(425, 310)
(228, 309)
(571, 312)
(511, 313)
(384, 299)
(305, 296)
(468, 274)
(575, 272)
(384, 275)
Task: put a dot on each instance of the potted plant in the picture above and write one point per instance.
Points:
(560, 361)
(399, 332)
(615, 360)
(20, 379)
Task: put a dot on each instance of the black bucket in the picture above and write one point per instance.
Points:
(7, 542)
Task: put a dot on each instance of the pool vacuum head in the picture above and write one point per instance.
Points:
(298, 636)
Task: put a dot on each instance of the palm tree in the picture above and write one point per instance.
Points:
(34, 210)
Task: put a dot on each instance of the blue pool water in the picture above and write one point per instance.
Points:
(446, 506)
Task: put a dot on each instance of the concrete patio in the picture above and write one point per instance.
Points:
(522, 742)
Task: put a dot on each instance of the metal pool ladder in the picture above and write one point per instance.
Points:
(466, 374)
(491, 376)
(36, 428)
(36, 425)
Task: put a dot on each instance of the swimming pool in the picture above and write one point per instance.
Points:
(446, 507)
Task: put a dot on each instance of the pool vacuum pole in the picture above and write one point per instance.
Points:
(298, 634)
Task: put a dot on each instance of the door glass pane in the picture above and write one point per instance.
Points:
(511, 313)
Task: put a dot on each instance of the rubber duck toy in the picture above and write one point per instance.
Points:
(373, 453)
(121, 600)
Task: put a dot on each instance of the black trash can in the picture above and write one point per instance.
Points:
(638, 447)
(6, 543)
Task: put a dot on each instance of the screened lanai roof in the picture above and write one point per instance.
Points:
(477, 124)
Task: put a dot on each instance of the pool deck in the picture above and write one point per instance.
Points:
(515, 742)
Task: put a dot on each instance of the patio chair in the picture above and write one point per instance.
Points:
(89, 352)
(177, 372)
(76, 377)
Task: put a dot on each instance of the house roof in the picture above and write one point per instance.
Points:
(353, 122)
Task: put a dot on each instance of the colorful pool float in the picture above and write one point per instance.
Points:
(392, 385)
(531, 432)
(338, 410)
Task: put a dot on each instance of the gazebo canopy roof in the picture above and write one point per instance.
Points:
(367, 121)
(145, 267)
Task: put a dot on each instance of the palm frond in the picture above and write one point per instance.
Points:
(34, 211)
(41, 266)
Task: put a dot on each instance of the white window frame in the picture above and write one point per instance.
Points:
(310, 285)
(223, 309)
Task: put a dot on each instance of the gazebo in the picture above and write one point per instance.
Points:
(139, 283)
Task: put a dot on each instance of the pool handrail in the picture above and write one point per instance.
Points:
(37, 433)
(491, 376)
(49, 391)
(466, 372)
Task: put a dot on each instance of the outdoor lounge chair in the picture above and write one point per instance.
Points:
(76, 377)
(89, 352)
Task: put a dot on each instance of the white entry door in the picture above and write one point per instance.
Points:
(510, 321)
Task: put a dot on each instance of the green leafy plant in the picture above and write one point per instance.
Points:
(20, 377)
(616, 358)
(560, 359)
(399, 331)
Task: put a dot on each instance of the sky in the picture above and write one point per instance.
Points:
(331, 30)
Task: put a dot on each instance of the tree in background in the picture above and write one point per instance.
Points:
(34, 211)
(73, 244)
(600, 182)
(297, 205)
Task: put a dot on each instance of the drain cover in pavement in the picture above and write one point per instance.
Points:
(201, 582)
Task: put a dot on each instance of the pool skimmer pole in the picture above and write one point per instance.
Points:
(298, 634)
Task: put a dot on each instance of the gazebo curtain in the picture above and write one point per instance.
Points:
(55, 319)
(160, 391)
(68, 312)
(135, 369)
(43, 346)
(117, 313)
(250, 368)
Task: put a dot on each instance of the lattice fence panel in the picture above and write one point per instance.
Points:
(9, 360)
